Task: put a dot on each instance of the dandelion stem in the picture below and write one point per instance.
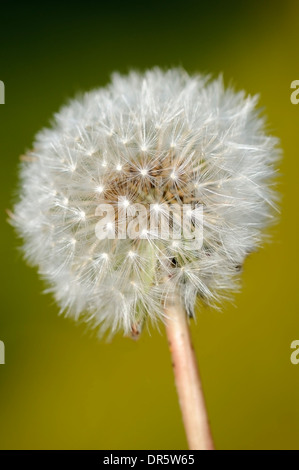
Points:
(187, 379)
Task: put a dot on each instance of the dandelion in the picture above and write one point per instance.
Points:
(159, 139)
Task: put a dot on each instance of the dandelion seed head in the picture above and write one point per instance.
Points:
(158, 138)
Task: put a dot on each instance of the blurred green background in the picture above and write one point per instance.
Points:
(61, 388)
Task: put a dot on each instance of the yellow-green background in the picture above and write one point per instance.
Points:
(62, 389)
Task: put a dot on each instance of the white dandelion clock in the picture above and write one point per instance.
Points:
(144, 198)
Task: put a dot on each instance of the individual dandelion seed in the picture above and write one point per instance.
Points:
(159, 141)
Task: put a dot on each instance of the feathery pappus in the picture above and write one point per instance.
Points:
(161, 140)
